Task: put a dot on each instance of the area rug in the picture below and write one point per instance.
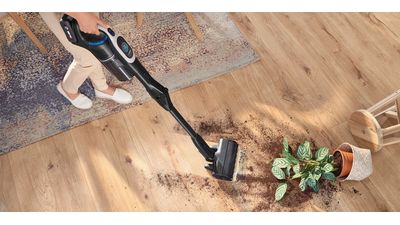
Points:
(32, 109)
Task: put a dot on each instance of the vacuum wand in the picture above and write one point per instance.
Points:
(117, 56)
(161, 95)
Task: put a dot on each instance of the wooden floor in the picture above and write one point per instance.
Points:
(315, 69)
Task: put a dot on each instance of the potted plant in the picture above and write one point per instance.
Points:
(353, 163)
(347, 163)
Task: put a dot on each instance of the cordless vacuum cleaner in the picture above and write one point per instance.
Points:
(117, 56)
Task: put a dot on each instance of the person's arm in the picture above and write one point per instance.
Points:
(88, 22)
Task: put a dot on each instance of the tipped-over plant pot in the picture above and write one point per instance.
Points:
(354, 163)
(344, 162)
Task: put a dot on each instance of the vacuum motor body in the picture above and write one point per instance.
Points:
(117, 57)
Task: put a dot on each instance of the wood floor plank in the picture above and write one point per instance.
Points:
(31, 181)
(101, 166)
(9, 199)
(71, 191)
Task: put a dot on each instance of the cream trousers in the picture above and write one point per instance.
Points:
(84, 66)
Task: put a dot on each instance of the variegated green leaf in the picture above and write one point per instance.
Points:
(321, 153)
(302, 184)
(317, 176)
(327, 168)
(281, 163)
(307, 168)
(285, 150)
(297, 175)
(329, 176)
(292, 159)
(316, 187)
(305, 174)
(304, 151)
(296, 168)
(278, 173)
(280, 191)
(311, 182)
(317, 169)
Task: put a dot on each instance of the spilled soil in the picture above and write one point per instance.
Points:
(254, 188)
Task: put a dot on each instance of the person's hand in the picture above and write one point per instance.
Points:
(88, 22)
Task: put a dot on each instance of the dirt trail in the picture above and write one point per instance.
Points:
(255, 186)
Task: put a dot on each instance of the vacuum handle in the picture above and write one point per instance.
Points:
(76, 36)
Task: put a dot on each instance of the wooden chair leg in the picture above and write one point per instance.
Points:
(194, 25)
(18, 19)
(139, 19)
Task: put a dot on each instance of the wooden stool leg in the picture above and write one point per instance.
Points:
(139, 19)
(391, 114)
(18, 19)
(378, 108)
(391, 130)
(194, 25)
(398, 109)
(391, 141)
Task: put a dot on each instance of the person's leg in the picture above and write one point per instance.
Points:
(99, 80)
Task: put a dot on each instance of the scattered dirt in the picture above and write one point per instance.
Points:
(155, 119)
(128, 159)
(50, 166)
(327, 193)
(254, 189)
(250, 169)
(355, 191)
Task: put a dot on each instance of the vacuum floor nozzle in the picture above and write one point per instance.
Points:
(223, 165)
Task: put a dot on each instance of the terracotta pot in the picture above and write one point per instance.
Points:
(361, 166)
(347, 162)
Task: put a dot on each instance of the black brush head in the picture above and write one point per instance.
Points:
(223, 165)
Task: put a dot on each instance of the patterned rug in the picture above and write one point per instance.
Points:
(31, 108)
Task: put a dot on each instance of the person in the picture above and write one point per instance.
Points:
(85, 65)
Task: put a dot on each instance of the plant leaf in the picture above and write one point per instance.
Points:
(329, 176)
(307, 168)
(288, 155)
(321, 153)
(280, 191)
(304, 151)
(297, 175)
(305, 174)
(285, 150)
(281, 162)
(327, 168)
(311, 182)
(317, 169)
(292, 159)
(302, 184)
(317, 176)
(316, 187)
(296, 168)
(278, 173)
